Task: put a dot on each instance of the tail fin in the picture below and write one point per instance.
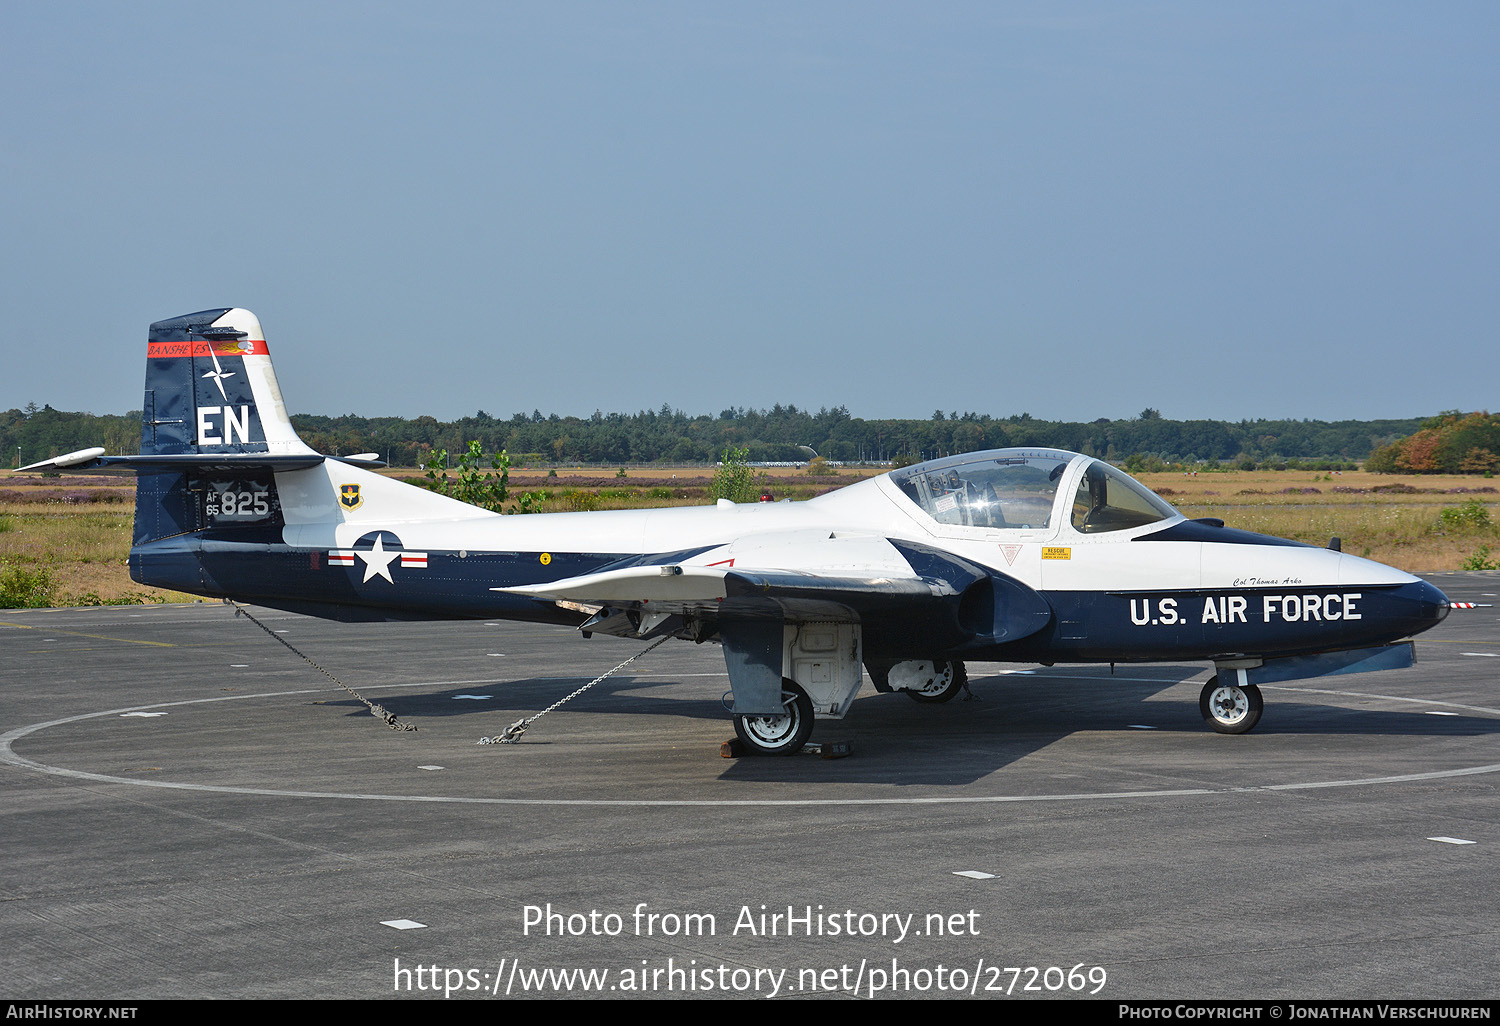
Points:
(218, 451)
(211, 407)
(211, 390)
(211, 404)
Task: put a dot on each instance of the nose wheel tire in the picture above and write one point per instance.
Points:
(779, 735)
(1229, 708)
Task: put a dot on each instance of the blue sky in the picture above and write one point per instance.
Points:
(1076, 210)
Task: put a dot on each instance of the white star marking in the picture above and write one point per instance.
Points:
(219, 374)
(378, 560)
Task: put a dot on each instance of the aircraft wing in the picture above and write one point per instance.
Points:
(696, 590)
(922, 592)
(669, 587)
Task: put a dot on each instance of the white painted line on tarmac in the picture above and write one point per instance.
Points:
(974, 874)
(1452, 840)
(142, 714)
(403, 924)
(9, 756)
(430, 767)
(1482, 710)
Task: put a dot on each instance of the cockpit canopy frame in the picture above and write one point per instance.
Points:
(1035, 490)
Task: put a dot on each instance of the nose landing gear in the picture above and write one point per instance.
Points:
(1230, 708)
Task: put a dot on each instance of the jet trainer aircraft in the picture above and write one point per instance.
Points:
(1015, 555)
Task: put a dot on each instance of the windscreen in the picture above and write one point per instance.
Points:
(1110, 500)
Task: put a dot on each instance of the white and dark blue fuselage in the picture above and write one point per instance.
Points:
(1032, 555)
(1167, 590)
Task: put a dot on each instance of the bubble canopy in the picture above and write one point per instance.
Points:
(1018, 489)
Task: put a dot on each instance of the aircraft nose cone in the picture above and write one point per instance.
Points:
(1425, 606)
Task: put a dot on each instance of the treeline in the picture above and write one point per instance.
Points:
(777, 434)
(668, 435)
(1450, 443)
(39, 432)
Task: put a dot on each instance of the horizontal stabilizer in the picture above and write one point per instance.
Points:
(92, 461)
(68, 460)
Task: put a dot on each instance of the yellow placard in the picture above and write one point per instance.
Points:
(1056, 552)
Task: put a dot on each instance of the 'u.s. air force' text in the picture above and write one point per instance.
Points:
(1225, 609)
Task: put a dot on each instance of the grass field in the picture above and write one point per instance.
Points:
(1391, 519)
(65, 541)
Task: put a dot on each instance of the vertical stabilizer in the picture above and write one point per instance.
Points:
(211, 389)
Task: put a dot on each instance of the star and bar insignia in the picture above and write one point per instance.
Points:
(377, 558)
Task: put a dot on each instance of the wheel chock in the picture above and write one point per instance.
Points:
(734, 748)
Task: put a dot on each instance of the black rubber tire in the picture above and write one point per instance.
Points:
(779, 735)
(1230, 709)
(941, 692)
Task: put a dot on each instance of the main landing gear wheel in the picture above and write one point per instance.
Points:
(1229, 708)
(779, 735)
(947, 680)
